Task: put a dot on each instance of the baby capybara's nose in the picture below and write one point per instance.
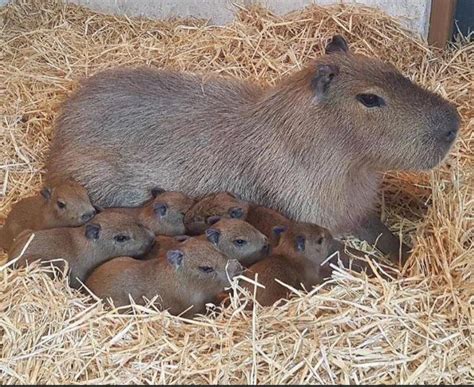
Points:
(86, 216)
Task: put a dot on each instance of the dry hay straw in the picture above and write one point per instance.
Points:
(415, 329)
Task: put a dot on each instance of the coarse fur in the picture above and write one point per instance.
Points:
(64, 205)
(85, 247)
(218, 204)
(307, 147)
(163, 243)
(177, 278)
(265, 220)
(164, 214)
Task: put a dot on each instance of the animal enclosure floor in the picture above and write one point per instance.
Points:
(414, 329)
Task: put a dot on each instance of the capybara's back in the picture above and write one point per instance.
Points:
(125, 130)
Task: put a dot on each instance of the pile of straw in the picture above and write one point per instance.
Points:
(415, 329)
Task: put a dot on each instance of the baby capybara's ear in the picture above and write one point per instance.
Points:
(175, 258)
(213, 235)
(157, 191)
(46, 192)
(92, 231)
(278, 230)
(337, 44)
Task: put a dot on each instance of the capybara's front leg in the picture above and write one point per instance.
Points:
(376, 233)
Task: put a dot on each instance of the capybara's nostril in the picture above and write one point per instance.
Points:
(451, 135)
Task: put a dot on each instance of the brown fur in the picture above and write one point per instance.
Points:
(239, 240)
(42, 211)
(299, 269)
(307, 146)
(220, 204)
(80, 252)
(178, 286)
(163, 243)
(265, 219)
(171, 223)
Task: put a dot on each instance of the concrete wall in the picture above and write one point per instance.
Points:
(413, 13)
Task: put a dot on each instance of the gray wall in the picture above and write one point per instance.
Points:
(413, 13)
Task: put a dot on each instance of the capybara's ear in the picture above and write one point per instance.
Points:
(46, 192)
(160, 209)
(278, 230)
(300, 243)
(157, 191)
(92, 231)
(213, 235)
(337, 44)
(236, 213)
(175, 258)
(213, 219)
(325, 74)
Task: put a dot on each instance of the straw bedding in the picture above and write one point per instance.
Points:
(414, 329)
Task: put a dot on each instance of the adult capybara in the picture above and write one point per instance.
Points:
(313, 147)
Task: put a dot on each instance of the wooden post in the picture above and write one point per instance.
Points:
(441, 22)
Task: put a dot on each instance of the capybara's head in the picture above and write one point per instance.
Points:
(239, 240)
(200, 262)
(221, 204)
(376, 113)
(115, 234)
(305, 240)
(69, 203)
(164, 214)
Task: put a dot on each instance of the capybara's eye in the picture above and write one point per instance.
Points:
(370, 100)
(320, 240)
(240, 242)
(121, 238)
(206, 269)
(61, 204)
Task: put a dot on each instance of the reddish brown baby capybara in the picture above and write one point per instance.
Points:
(164, 214)
(185, 279)
(108, 235)
(297, 261)
(64, 205)
(214, 205)
(237, 239)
